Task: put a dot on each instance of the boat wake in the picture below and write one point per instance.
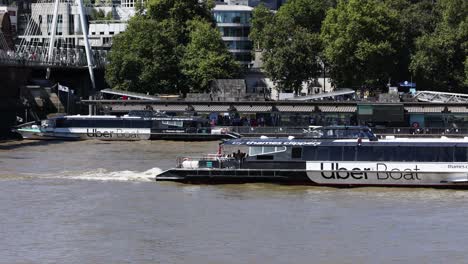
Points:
(106, 175)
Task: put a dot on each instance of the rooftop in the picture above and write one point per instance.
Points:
(232, 8)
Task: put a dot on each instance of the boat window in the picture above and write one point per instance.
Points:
(425, 154)
(253, 151)
(173, 123)
(329, 133)
(329, 153)
(387, 153)
(268, 150)
(336, 153)
(461, 154)
(265, 157)
(323, 153)
(59, 122)
(309, 153)
(365, 153)
(349, 154)
(445, 154)
(296, 153)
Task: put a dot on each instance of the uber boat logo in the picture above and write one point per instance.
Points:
(119, 133)
(381, 172)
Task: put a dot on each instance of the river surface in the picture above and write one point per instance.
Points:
(97, 202)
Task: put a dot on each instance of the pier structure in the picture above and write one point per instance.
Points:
(411, 115)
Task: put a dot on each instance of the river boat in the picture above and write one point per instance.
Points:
(332, 156)
(137, 125)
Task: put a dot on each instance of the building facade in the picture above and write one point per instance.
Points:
(69, 27)
(271, 4)
(233, 21)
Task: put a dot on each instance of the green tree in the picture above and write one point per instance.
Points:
(177, 14)
(291, 43)
(440, 60)
(206, 57)
(109, 16)
(97, 14)
(139, 7)
(416, 18)
(142, 58)
(361, 40)
(262, 17)
(150, 55)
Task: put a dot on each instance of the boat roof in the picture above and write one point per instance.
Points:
(107, 117)
(417, 142)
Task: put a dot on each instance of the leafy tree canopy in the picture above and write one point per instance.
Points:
(290, 42)
(206, 57)
(441, 59)
(178, 13)
(361, 39)
(143, 58)
(155, 53)
(262, 17)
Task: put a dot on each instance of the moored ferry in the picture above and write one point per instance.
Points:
(137, 125)
(337, 156)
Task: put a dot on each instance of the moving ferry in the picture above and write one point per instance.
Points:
(138, 125)
(339, 156)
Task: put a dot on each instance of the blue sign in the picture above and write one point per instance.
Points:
(407, 84)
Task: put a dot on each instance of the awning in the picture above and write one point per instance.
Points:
(296, 108)
(253, 108)
(422, 109)
(458, 109)
(338, 109)
(211, 108)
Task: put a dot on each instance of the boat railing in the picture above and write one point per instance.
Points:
(397, 131)
(28, 124)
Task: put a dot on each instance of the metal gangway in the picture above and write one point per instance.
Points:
(441, 97)
(344, 92)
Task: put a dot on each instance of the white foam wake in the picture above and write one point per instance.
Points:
(106, 175)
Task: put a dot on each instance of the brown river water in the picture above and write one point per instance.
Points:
(97, 202)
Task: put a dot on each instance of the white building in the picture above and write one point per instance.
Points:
(100, 32)
(233, 21)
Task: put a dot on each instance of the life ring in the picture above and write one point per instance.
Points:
(223, 130)
(415, 125)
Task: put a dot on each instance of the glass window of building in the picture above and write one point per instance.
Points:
(232, 17)
(235, 31)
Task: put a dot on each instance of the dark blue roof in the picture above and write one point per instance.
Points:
(330, 142)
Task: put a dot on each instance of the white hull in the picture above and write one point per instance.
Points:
(87, 133)
(387, 173)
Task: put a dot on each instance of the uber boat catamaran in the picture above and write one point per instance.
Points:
(332, 156)
(137, 125)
